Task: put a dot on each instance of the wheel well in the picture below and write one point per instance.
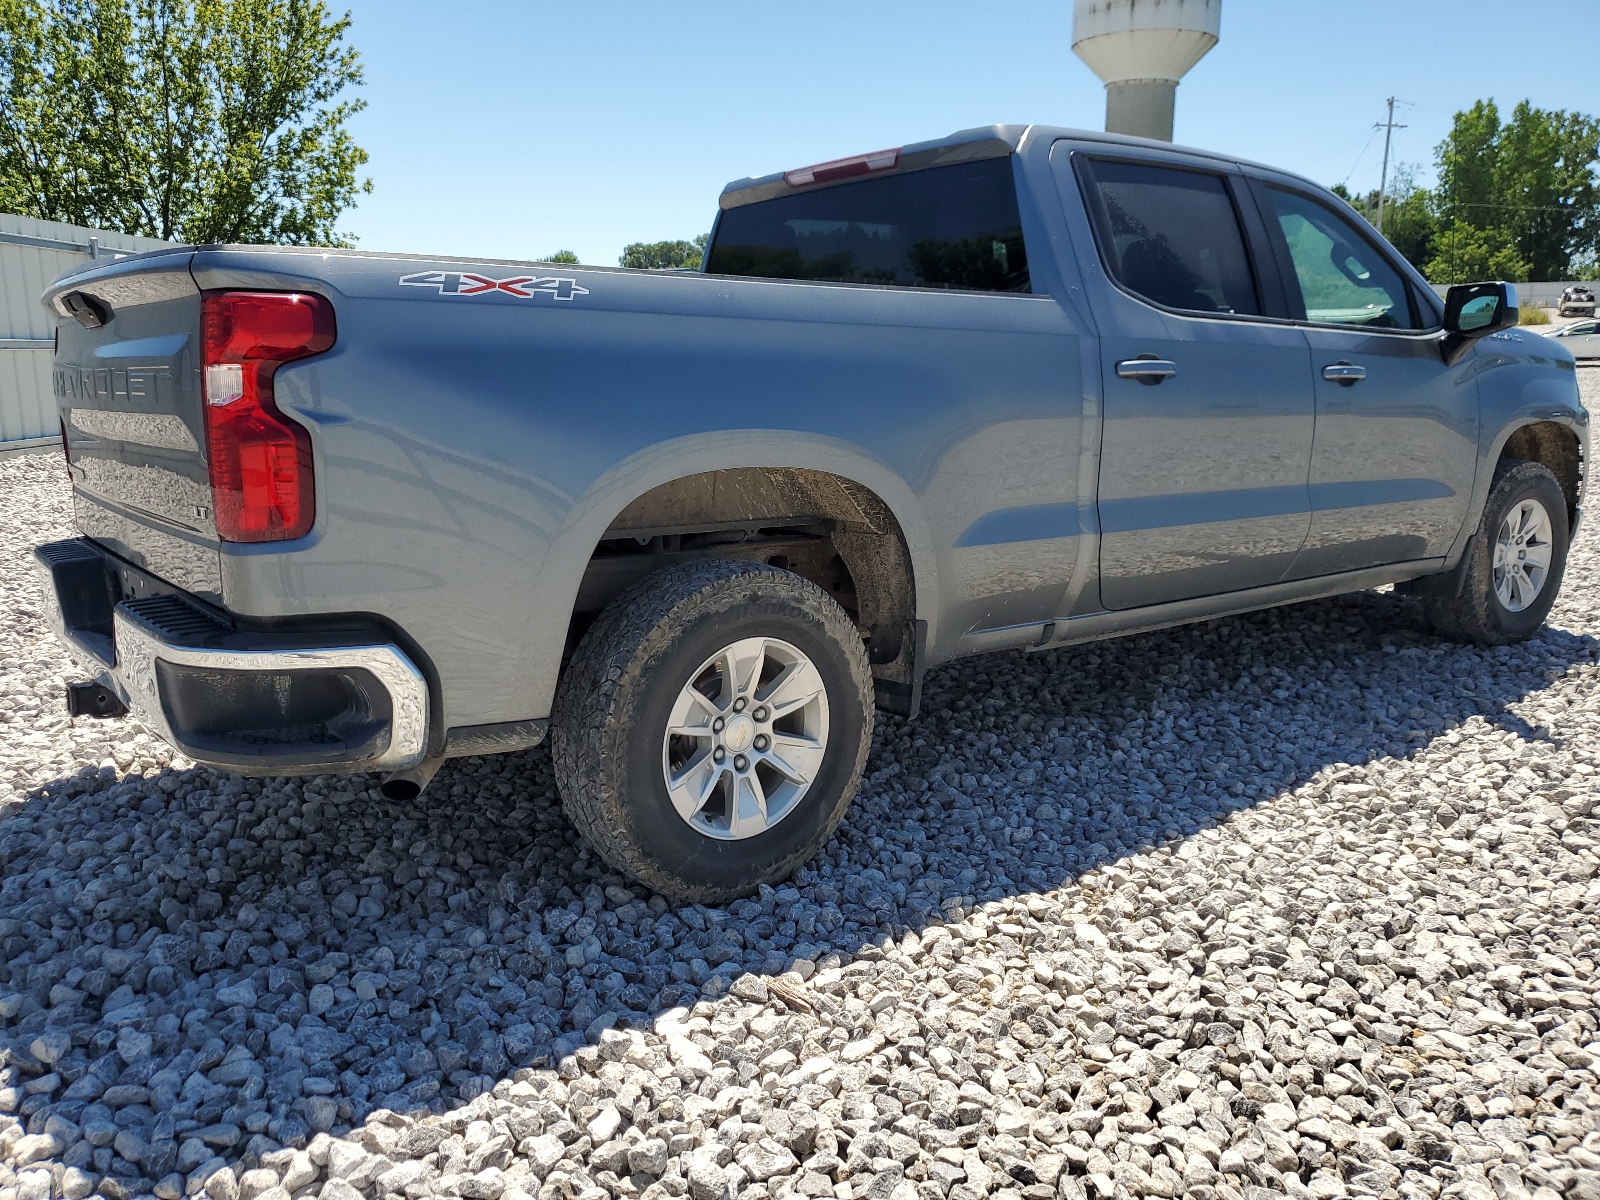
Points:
(1556, 447)
(828, 529)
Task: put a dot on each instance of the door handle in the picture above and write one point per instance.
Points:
(1345, 374)
(1149, 371)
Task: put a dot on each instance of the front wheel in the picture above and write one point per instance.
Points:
(712, 727)
(1514, 562)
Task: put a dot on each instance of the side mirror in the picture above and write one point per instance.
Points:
(1474, 310)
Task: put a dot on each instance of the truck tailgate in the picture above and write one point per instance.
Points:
(127, 383)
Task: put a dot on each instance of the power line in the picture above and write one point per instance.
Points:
(1388, 128)
(1338, 149)
(1367, 145)
(1513, 207)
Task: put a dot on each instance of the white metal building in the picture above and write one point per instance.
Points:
(1538, 295)
(32, 254)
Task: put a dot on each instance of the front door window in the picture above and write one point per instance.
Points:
(1343, 278)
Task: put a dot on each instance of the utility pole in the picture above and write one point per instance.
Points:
(1388, 128)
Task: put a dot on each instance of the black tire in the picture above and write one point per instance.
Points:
(613, 704)
(1476, 614)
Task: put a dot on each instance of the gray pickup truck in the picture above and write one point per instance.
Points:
(1020, 387)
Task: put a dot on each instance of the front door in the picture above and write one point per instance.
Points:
(1396, 445)
(1208, 405)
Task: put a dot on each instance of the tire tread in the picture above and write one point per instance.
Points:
(590, 726)
(1469, 616)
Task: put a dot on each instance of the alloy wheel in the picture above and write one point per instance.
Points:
(1522, 553)
(745, 738)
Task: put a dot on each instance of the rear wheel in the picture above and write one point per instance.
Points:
(1514, 562)
(712, 727)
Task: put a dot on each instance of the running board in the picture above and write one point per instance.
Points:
(1091, 627)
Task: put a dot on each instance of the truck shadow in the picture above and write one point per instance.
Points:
(285, 956)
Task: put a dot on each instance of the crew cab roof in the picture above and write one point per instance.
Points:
(966, 145)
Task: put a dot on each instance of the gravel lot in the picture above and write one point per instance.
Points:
(1302, 902)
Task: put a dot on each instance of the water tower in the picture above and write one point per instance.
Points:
(1140, 49)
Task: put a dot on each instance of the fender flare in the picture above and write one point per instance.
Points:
(555, 588)
(1447, 583)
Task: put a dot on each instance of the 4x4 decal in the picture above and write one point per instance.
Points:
(465, 283)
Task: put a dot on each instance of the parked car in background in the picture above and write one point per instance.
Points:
(1576, 301)
(1581, 338)
(1013, 389)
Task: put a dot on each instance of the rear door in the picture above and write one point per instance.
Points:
(1207, 429)
(1396, 444)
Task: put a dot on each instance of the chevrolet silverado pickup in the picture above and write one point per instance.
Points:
(1016, 388)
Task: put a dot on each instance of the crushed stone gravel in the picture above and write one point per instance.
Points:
(1303, 902)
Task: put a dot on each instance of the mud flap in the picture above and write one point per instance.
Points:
(1446, 585)
(897, 686)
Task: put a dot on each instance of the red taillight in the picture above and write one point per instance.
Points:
(843, 168)
(261, 477)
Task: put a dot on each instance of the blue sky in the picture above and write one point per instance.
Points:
(513, 128)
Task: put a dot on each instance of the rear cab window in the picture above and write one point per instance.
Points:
(1170, 235)
(953, 227)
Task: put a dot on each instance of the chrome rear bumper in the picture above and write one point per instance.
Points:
(251, 702)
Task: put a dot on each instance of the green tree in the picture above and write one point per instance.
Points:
(1532, 178)
(665, 255)
(196, 120)
(1410, 224)
(1465, 253)
(561, 256)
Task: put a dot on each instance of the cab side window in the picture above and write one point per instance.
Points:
(1171, 236)
(1343, 278)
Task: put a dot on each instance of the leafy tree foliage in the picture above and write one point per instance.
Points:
(1409, 223)
(665, 255)
(1529, 183)
(561, 256)
(195, 120)
(1464, 253)
(1516, 199)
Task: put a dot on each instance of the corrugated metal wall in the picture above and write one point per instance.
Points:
(32, 254)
